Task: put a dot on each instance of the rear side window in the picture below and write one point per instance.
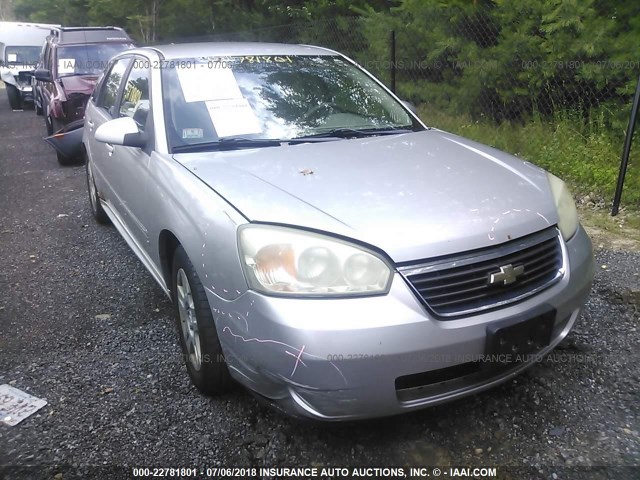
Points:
(111, 85)
(135, 98)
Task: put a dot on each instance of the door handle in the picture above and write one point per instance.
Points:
(90, 123)
(109, 149)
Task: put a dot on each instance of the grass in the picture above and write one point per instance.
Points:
(586, 154)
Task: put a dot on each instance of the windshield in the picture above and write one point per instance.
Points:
(273, 97)
(88, 59)
(21, 55)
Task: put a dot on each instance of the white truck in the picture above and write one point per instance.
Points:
(20, 47)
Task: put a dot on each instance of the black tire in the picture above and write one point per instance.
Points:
(94, 201)
(48, 123)
(15, 100)
(212, 376)
(66, 161)
(38, 109)
(54, 126)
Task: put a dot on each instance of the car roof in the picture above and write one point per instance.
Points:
(74, 35)
(222, 49)
(24, 34)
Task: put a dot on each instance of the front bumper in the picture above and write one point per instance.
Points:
(26, 92)
(340, 359)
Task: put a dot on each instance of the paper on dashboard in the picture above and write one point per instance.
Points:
(233, 117)
(66, 65)
(201, 83)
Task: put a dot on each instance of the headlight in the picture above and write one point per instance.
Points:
(294, 262)
(567, 213)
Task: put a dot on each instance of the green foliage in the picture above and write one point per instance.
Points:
(6, 10)
(66, 12)
(508, 58)
(548, 79)
(585, 153)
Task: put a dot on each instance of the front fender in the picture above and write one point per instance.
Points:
(204, 223)
(55, 102)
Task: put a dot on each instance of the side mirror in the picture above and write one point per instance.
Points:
(43, 75)
(410, 106)
(121, 131)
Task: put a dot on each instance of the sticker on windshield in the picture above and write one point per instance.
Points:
(201, 83)
(12, 57)
(233, 117)
(192, 133)
(66, 65)
(266, 59)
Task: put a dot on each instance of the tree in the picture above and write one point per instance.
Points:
(6, 10)
(64, 12)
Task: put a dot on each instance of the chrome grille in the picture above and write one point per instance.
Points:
(460, 285)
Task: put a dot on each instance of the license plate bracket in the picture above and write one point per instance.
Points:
(514, 341)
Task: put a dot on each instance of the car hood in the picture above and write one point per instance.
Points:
(415, 195)
(79, 84)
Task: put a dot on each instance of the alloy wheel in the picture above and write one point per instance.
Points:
(188, 320)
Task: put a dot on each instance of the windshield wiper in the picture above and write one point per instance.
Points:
(231, 143)
(346, 132)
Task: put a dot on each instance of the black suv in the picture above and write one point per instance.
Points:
(71, 60)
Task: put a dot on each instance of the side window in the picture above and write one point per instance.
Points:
(135, 99)
(111, 85)
(97, 89)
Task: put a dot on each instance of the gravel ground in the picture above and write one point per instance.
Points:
(85, 327)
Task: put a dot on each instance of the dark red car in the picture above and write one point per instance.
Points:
(71, 61)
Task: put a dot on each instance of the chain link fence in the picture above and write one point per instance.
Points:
(553, 86)
(466, 63)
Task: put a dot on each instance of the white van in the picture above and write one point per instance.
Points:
(20, 46)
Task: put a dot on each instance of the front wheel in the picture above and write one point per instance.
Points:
(48, 121)
(198, 336)
(54, 126)
(94, 200)
(66, 161)
(37, 107)
(15, 100)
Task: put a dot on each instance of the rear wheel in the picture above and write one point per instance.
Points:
(198, 336)
(15, 101)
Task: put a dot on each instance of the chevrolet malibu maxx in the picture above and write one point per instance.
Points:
(323, 246)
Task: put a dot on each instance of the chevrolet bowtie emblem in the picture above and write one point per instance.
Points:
(507, 274)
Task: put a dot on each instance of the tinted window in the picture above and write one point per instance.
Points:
(93, 36)
(278, 97)
(111, 85)
(135, 99)
(90, 59)
(21, 55)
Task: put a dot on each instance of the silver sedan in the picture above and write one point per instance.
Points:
(322, 246)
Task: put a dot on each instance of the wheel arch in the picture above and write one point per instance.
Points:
(167, 245)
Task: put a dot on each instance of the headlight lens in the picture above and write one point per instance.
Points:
(294, 262)
(567, 213)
